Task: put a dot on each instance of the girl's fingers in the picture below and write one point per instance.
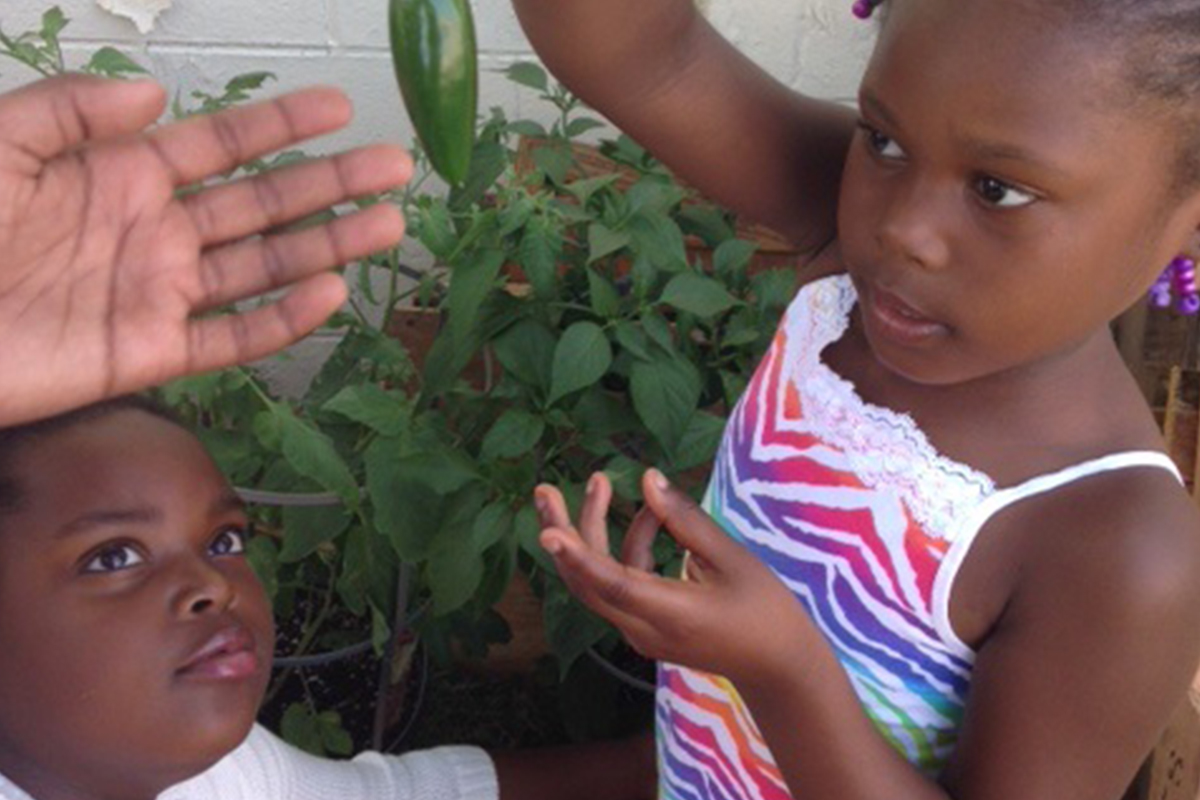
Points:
(689, 525)
(637, 550)
(552, 508)
(252, 205)
(220, 341)
(213, 144)
(53, 116)
(593, 517)
(255, 266)
(606, 586)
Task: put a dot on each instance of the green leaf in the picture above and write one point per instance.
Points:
(494, 524)
(263, 556)
(385, 412)
(731, 258)
(570, 628)
(526, 73)
(334, 737)
(657, 237)
(583, 189)
(311, 453)
(626, 477)
(581, 125)
(659, 332)
(470, 282)
(774, 288)
(665, 394)
(633, 338)
(488, 161)
(699, 443)
(516, 214)
(654, 196)
(540, 250)
(453, 573)
(526, 530)
(601, 415)
(555, 159)
(247, 82)
(603, 241)
(645, 277)
(300, 728)
(527, 128)
(53, 23)
(699, 295)
(435, 229)
(605, 300)
(581, 358)
(513, 435)
(306, 529)
(112, 62)
(526, 351)
(707, 222)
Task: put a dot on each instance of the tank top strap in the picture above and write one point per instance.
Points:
(1000, 499)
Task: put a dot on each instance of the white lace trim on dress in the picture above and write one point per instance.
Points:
(885, 448)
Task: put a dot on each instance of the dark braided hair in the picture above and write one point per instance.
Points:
(16, 438)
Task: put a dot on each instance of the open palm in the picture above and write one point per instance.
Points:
(107, 270)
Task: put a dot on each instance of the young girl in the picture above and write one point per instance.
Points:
(943, 553)
(137, 641)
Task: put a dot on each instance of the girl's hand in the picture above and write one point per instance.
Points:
(731, 615)
(109, 274)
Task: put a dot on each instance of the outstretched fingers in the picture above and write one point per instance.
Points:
(637, 549)
(255, 266)
(215, 144)
(224, 340)
(232, 211)
(710, 548)
(630, 599)
(50, 117)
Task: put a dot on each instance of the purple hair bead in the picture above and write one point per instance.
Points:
(863, 9)
(1179, 278)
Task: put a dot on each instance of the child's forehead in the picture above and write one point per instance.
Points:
(990, 49)
(120, 457)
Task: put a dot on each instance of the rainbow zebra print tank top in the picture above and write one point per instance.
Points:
(866, 523)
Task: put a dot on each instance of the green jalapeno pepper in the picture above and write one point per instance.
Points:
(433, 51)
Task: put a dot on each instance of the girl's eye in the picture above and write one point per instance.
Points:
(996, 192)
(229, 542)
(881, 144)
(114, 558)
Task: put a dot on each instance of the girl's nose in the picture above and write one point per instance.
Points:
(912, 229)
(202, 589)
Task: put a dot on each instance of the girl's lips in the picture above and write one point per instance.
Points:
(229, 655)
(895, 319)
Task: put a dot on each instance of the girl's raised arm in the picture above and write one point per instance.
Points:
(662, 74)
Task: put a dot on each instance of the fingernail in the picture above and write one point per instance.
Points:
(659, 480)
(591, 484)
(540, 504)
(553, 547)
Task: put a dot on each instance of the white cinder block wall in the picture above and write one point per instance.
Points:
(815, 46)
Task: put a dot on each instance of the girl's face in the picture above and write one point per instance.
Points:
(136, 638)
(1003, 199)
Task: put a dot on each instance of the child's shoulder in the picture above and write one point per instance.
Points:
(1127, 540)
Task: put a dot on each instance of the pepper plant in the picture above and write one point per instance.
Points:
(595, 315)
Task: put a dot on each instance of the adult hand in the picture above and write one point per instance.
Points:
(107, 271)
(731, 615)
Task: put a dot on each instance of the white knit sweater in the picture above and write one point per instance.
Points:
(265, 767)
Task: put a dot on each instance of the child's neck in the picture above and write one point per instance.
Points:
(39, 783)
(1020, 423)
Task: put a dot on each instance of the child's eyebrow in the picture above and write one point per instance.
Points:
(141, 515)
(979, 149)
(870, 102)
